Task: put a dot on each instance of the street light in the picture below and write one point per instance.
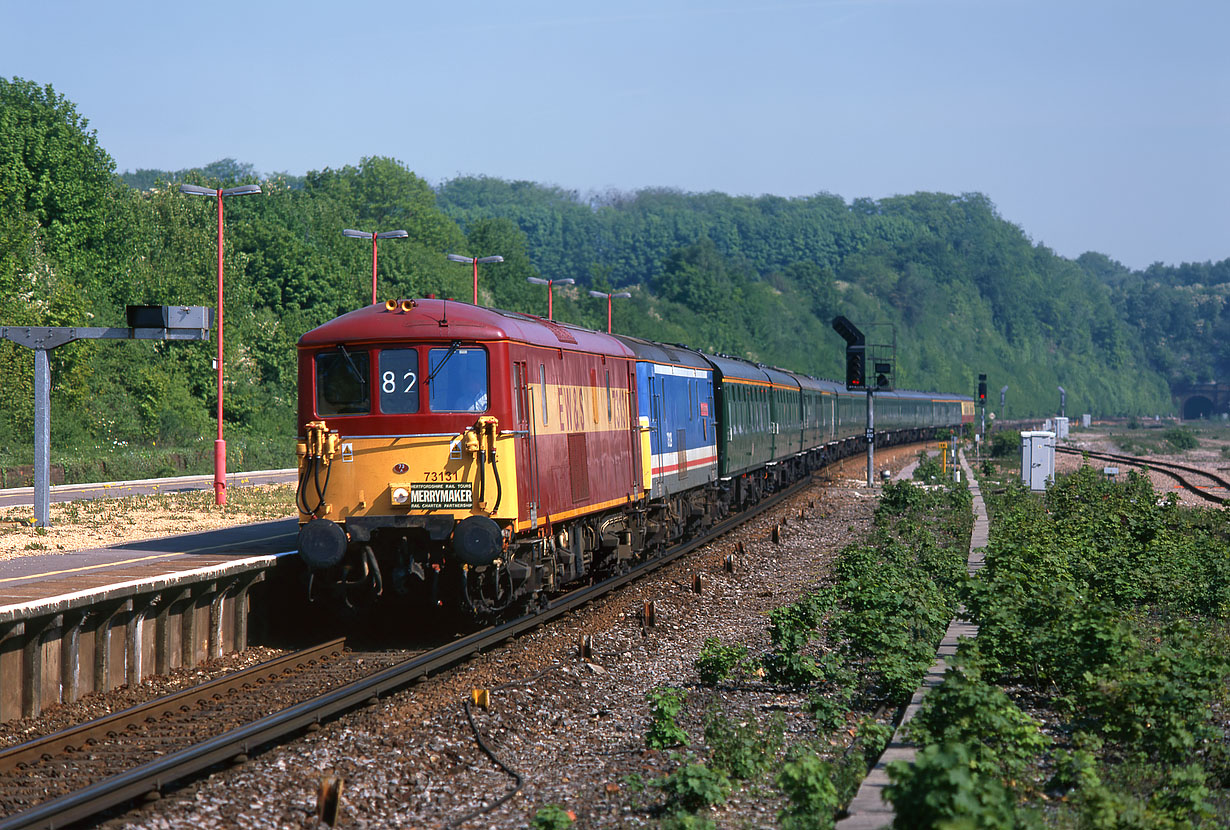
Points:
(608, 296)
(373, 237)
(548, 284)
(220, 444)
(475, 260)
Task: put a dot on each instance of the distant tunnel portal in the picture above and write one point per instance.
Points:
(1197, 407)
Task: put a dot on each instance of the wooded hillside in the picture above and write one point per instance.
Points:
(963, 290)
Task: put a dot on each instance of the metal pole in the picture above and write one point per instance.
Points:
(42, 438)
(475, 280)
(550, 307)
(373, 267)
(871, 441)
(608, 313)
(220, 443)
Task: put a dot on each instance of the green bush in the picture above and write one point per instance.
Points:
(686, 821)
(946, 787)
(900, 496)
(1110, 604)
(966, 710)
(716, 661)
(666, 704)
(693, 787)
(551, 817)
(928, 468)
(870, 739)
(1181, 439)
(830, 707)
(807, 782)
(741, 749)
(1005, 443)
(791, 628)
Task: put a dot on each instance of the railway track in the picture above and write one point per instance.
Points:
(1181, 473)
(70, 776)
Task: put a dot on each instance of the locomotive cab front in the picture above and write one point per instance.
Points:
(407, 478)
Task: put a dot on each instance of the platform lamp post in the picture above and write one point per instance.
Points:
(1003, 406)
(220, 443)
(608, 296)
(1063, 401)
(548, 284)
(353, 234)
(475, 260)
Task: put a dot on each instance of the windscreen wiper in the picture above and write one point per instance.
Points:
(452, 349)
(353, 368)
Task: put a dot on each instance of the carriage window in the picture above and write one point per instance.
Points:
(518, 391)
(342, 386)
(542, 381)
(399, 381)
(593, 393)
(458, 380)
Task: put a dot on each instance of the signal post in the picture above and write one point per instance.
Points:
(856, 379)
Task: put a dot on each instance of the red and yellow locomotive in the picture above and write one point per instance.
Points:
(472, 447)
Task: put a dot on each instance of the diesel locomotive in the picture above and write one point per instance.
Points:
(451, 454)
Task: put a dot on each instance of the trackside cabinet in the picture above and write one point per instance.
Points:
(1037, 459)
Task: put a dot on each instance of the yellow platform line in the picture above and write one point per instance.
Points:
(114, 564)
(93, 567)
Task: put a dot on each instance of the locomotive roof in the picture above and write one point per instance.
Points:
(451, 320)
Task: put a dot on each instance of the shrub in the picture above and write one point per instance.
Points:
(1181, 439)
(1005, 443)
(900, 496)
(692, 787)
(807, 783)
(928, 468)
(666, 704)
(830, 707)
(945, 786)
(790, 630)
(686, 821)
(742, 749)
(552, 817)
(716, 661)
(966, 710)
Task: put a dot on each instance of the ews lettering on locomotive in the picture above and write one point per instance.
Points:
(573, 405)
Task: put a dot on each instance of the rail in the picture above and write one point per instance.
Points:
(1167, 468)
(154, 776)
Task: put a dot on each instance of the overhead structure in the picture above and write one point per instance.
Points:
(144, 323)
(374, 237)
(608, 296)
(548, 284)
(220, 442)
(476, 260)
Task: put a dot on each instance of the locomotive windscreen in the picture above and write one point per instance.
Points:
(458, 380)
(399, 376)
(342, 383)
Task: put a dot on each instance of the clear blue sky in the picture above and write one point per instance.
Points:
(1093, 124)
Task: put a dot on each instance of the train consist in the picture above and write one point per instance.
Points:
(451, 454)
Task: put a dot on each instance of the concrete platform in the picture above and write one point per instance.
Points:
(95, 620)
